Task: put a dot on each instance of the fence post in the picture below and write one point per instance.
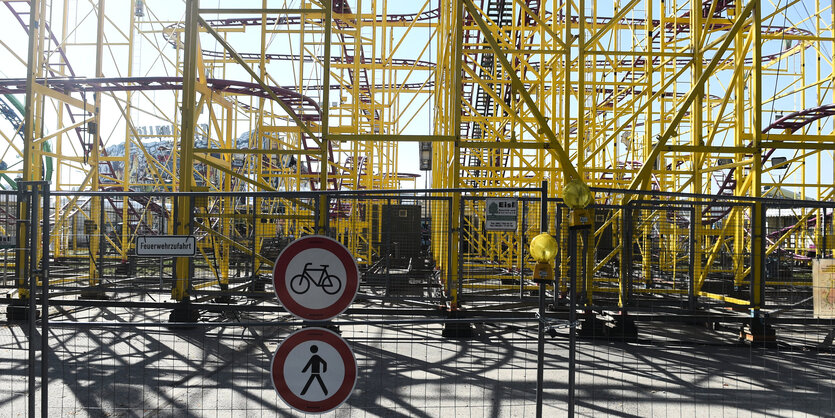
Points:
(101, 246)
(32, 278)
(385, 241)
(452, 241)
(540, 342)
(253, 227)
(523, 242)
(691, 294)
(572, 317)
(559, 284)
(45, 302)
(459, 261)
(625, 281)
(192, 209)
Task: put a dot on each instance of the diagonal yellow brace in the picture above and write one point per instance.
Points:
(609, 25)
(535, 17)
(245, 179)
(641, 179)
(569, 171)
(237, 57)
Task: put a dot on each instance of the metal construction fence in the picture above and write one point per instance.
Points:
(666, 304)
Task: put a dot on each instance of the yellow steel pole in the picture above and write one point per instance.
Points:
(323, 163)
(566, 130)
(126, 180)
(227, 208)
(757, 246)
(259, 135)
(186, 167)
(582, 141)
(456, 108)
(696, 138)
(32, 67)
(96, 201)
(736, 215)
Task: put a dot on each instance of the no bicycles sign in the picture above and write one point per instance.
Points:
(315, 278)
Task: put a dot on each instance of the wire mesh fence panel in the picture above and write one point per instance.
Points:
(723, 255)
(93, 240)
(607, 244)
(401, 244)
(8, 238)
(795, 237)
(668, 318)
(14, 361)
(405, 368)
(495, 235)
(687, 369)
(659, 247)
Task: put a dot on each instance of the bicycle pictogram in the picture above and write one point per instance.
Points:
(329, 283)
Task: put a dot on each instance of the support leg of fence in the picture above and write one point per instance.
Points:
(183, 312)
(456, 329)
(540, 351)
(96, 289)
(572, 319)
(45, 303)
(18, 309)
(33, 285)
(462, 330)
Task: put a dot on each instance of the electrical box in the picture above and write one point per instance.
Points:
(401, 231)
(425, 156)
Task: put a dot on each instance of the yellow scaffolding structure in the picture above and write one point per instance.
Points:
(702, 97)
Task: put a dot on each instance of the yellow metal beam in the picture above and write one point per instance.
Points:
(237, 57)
(641, 179)
(569, 171)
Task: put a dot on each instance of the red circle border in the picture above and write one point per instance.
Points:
(339, 396)
(334, 247)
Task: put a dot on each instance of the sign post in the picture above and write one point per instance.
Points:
(314, 370)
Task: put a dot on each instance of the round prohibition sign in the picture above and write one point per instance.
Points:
(314, 370)
(315, 278)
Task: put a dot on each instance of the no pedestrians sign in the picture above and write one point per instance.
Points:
(314, 370)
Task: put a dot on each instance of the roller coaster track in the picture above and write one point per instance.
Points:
(343, 24)
(64, 63)
(303, 107)
(499, 12)
(791, 123)
(341, 9)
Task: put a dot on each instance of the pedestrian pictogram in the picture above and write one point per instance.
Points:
(316, 278)
(314, 365)
(314, 370)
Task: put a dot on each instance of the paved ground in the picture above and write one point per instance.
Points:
(410, 370)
